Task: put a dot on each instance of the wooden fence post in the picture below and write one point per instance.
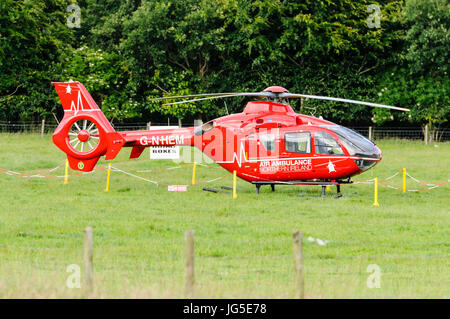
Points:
(426, 135)
(299, 279)
(371, 133)
(148, 125)
(42, 128)
(179, 122)
(88, 259)
(189, 264)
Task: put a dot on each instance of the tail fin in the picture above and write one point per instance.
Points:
(84, 133)
(74, 97)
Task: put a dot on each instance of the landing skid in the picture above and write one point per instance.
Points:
(324, 184)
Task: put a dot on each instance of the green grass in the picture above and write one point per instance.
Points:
(243, 246)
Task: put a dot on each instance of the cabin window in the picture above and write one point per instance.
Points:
(268, 140)
(297, 142)
(326, 144)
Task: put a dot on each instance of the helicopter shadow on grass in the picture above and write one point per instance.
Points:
(303, 192)
(316, 194)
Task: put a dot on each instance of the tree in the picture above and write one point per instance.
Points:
(33, 35)
(421, 81)
(128, 51)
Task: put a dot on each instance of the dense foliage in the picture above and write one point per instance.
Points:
(126, 51)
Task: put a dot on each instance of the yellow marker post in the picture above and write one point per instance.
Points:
(194, 168)
(375, 183)
(66, 173)
(328, 188)
(404, 180)
(108, 178)
(234, 185)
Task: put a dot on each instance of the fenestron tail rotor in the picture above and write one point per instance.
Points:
(83, 136)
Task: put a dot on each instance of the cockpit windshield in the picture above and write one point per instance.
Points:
(355, 143)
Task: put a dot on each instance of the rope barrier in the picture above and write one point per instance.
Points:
(116, 169)
(163, 184)
(431, 186)
(17, 174)
(139, 177)
(46, 173)
(370, 181)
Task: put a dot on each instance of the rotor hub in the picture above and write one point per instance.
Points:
(83, 135)
(276, 89)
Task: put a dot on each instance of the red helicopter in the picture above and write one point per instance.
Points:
(267, 144)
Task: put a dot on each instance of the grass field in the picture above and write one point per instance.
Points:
(243, 246)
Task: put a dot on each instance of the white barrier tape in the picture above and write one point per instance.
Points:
(427, 188)
(215, 179)
(160, 169)
(418, 181)
(370, 181)
(136, 176)
(82, 173)
(173, 167)
(155, 182)
(390, 177)
(40, 175)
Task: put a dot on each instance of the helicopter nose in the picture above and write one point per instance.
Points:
(380, 154)
(374, 158)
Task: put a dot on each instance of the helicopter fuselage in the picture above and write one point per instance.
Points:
(268, 141)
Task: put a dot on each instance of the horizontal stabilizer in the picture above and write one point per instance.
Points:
(136, 151)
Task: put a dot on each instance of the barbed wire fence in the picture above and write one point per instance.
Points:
(247, 264)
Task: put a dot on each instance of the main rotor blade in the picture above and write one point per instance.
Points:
(191, 95)
(291, 95)
(260, 94)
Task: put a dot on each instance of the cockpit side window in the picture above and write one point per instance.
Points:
(324, 143)
(268, 140)
(297, 142)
